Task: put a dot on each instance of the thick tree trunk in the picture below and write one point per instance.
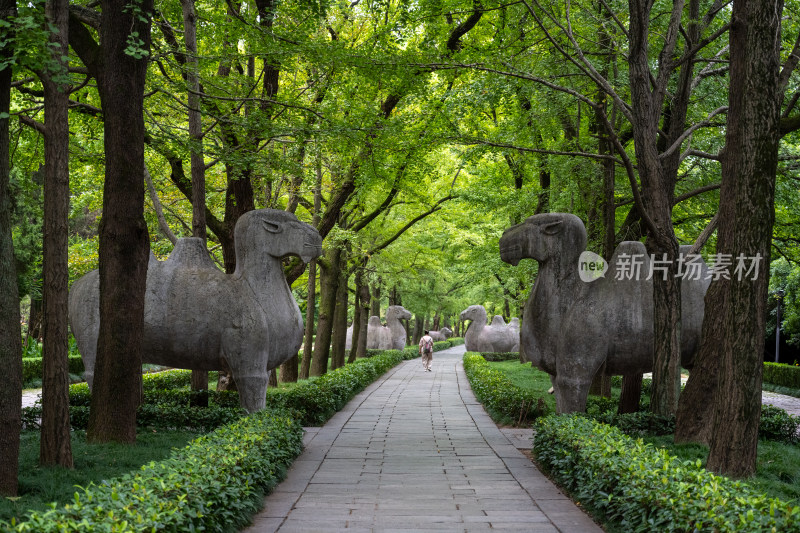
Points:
(55, 446)
(748, 182)
(658, 177)
(124, 243)
(328, 285)
(666, 337)
(10, 331)
(694, 419)
(631, 393)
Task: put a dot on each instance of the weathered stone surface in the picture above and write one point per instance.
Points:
(198, 317)
(441, 335)
(491, 338)
(392, 336)
(572, 327)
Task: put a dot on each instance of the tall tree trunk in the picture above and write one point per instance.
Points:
(364, 302)
(124, 242)
(358, 309)
(35, 314)
(630, 394)
(658, 177)
(748, 182)
(339, 334)
(10, 331)
(308, 344)
(55, 446)
(328, 285)
(199, 377)
(375, 305)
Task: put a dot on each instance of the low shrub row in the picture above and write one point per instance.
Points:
(410, 352)
(214, 484)
(782, 375)
(502, 399)
(32, 367)
(509, 404)
(500, 356)
(645, 489)
(167, 397)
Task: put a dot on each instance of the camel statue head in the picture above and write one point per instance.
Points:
(543, 237)
(277, 234)
(397, 312)
(447, 332)
(476, 313)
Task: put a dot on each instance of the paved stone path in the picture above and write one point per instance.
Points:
(416, 451)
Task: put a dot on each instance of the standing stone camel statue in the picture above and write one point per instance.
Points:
(483, 338)
(392, 336)
(574, 328)
(198, 317)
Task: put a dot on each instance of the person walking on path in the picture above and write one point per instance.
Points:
(426, 351)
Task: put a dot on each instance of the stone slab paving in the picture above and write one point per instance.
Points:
(416, 451)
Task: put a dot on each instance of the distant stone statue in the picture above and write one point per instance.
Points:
(573, 327)
(487, 338)
(441, 335)
(200, 318)
(392, 336)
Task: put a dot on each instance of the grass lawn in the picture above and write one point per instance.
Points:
(778, 472)
(93, 463)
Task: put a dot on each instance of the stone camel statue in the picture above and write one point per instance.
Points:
(575, 328)
(483, 338)
(392, 336)
(441, 335)
(198, 317)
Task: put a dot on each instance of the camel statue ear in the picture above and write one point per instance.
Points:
(552, 228)
(271, 227)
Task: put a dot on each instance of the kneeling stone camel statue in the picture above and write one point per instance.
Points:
(572, 328)
(497, 337)
(441, 335)
(198, 317)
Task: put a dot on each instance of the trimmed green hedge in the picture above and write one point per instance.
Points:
(645, 489)
(500, 356)
(782, 375)
(216, 483)
(32, 367)
(167, 397)
(499, 395)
